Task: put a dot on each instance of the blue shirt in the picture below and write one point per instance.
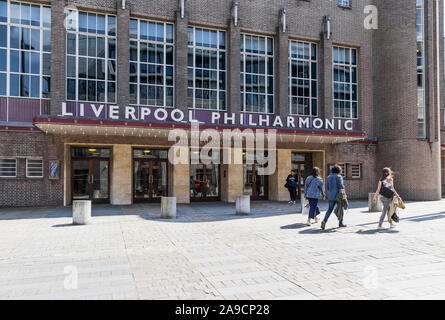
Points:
(334, 183)
(313, 187)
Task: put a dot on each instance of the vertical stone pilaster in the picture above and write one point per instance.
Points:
(121, 175)
(282, 74)
(231, 176)
(325, 105)
(123, 59)
(58, 56)
(233, 69)
(179, 176)
(277, 191)
(181, 48)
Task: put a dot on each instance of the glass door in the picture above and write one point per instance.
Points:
(150, 180)
(204, 182)
(255, 185)
(90, 174)
(91, 180)
(302, 164)
(81, 180)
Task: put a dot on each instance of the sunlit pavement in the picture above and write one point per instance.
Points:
(128, 252)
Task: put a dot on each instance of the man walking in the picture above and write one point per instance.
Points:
(334, 185)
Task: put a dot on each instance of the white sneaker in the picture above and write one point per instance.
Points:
(308, 224)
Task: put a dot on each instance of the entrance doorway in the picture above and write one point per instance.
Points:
(149, 175)
(91, 176)
(204, 182)
(302, 163)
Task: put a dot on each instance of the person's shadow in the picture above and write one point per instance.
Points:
(294, 226)
(376, 231)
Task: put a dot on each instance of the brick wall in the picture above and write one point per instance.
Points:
(22, 191)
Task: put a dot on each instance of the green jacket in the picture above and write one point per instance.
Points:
(342, 205)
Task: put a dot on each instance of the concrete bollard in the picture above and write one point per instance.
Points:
(243, 205)
(168, 208)
(81, 211)
(374, 207)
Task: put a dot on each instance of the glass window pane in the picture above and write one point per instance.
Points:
(133, 29)
(15, 12)
(46, 87)
(35, 86)
(92, 46)
(101, 24)
(82, 90)
(35, 39)
(35, 15)
(91, 90)
(26, 38)
(83, 22)
(14, 85)
(46, 41)
(3, 62)
(101, 47)
(160, 32)
(143, 30)
(71, 67)
(25, 14)
(71, 43)
(112, 48)
(169, 33)
(111, 91)
(35, 63)
(82, 45)
(46, 64)
(3, 36)
(111, 26)
(14, 37)
(24, 86)
(14, 61)
(2, 84)
(46, 17)
(3, 11)
(92, 28)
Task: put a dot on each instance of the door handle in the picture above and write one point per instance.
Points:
(150, 179)
(92, 179)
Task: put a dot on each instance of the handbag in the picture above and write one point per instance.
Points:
(395, 218)
(305, 209)
(386, 191)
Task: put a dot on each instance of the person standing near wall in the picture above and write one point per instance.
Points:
(313, 190)
(291, 183)
(334, 185)
(387, 191)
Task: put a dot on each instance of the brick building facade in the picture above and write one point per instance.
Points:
(344, 94)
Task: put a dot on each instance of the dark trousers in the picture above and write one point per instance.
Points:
(314, 211)
(332, 204)
(293, 194)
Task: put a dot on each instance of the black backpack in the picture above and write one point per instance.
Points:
(386, 190)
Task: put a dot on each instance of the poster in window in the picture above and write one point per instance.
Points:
(54, 169)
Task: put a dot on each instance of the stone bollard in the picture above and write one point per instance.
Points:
(81, 211)
(168, 208)
(243, 205)
(374, 207)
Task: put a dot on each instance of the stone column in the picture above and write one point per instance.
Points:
(277, 191)
(282, 74)
(181, 48)
(179, 179)
(58, 56)
(325, 105)
(123, 59)
(231, 178)
(233, 69)
(121, 175)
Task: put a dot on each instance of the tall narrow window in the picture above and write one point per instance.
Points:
(421, 126)
(25, 49)
(257, 74)
(345, 83)
(206, 69)
(151, 63)
(91, 57)
(303, 78)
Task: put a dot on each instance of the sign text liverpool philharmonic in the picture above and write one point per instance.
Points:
(148, 114)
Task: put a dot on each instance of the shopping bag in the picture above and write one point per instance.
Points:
(306, 208)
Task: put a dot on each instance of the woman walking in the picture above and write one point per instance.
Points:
(291, 183)
(386, 189)
(313, 190)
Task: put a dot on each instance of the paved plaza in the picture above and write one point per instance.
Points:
(128, 252)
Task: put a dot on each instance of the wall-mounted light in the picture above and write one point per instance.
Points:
(283, 19)
(327, 27)
(123, 4)
(182, 7)
(235, 12)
